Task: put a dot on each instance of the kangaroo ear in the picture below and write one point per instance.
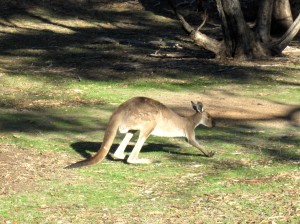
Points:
(197, 106)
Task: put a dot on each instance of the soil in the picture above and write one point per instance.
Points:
(22, 170)
(231, 108)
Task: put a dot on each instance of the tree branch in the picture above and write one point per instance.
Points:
(187, 27)
(203, 23)
(207, 42)
(199, 38)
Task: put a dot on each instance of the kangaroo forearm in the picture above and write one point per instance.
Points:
(201, 148)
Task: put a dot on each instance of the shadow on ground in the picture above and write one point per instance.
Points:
(86, 148)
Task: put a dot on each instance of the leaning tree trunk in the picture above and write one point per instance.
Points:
(278, 46)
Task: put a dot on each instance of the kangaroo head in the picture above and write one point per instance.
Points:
(203, 116)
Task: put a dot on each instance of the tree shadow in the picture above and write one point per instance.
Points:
(116, 48)
(37, 122)
(253, 140)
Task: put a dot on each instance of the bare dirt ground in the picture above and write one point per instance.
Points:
(22, 169)
(229, 107)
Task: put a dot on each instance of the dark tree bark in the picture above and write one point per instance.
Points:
(239, 40)
(264, 19)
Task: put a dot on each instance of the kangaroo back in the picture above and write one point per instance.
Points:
(108, 139)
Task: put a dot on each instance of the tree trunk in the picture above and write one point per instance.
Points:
(240, 41)
(263, 21)
(282, 16)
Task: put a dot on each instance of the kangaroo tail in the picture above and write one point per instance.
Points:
(108, 139)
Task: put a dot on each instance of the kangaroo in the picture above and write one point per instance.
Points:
(149, 117)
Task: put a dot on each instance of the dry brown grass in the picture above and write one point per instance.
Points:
(21, 170)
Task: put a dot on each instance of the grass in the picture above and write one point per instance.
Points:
(56, 98)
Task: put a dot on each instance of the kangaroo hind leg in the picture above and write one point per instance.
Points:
(134, 155)
(119, 153)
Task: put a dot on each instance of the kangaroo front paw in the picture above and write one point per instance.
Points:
(211, 154)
